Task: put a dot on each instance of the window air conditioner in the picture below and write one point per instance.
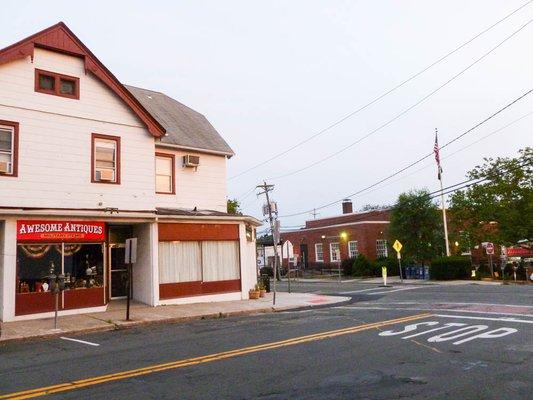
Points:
(4, 168)
(106, 174)
(191, 161)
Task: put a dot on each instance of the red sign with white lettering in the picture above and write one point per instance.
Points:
(60, 231)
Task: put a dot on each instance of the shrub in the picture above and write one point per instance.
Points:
(444, 268)
(347, 266)
(390, 263)
(362, 267)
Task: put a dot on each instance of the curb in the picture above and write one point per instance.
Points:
(124, 325)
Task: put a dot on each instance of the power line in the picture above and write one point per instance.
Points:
(396, 117)
(417, 161)
(334, 124)
(449, 189)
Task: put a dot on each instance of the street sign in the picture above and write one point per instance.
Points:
(397, 246)
(131, 251)
(489, 248)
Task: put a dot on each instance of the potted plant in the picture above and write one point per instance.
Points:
(254, 293)
(262, 289)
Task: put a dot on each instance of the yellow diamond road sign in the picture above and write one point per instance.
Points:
(397, 246)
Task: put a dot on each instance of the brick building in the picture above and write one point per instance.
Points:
(333, 239)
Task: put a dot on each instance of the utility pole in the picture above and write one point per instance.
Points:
(266, 189)
(314, 213)
(436, 150)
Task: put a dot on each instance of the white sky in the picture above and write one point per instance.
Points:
(268, 74)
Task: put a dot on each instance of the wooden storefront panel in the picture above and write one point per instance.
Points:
(197, 288)
(175, 232)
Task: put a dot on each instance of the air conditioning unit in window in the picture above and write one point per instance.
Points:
(191, 161)
(4, 168)
(106, 174)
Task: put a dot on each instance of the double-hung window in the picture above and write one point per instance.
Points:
(164, 173)
(8, 148)
(105, 159)
(334, 252)
(381, 248)
(352, 249)
(319, 252)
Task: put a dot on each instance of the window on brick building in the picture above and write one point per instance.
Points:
(334, 252)
(381, 248)
(352, 249)
(319, 252)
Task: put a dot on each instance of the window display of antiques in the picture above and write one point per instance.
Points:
(81, 264)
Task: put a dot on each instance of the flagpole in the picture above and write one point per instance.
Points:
(444, 219)
(439, 170)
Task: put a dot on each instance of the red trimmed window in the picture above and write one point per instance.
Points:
(164, 173)
(9, 139)
(105, 157)
(57, 84)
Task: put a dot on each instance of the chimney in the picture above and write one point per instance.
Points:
(347, 207)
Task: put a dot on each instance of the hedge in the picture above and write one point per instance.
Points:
(445, 268)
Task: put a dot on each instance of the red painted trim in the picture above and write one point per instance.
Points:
(60, 38)
(83, 298)
(197, 288)
(118, 164)
(33, 303)
(170, 232)
(173, 157)
(57, 84)
(15, 166)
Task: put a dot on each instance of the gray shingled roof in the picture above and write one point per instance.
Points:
(185, 127)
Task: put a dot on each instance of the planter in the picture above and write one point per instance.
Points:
(262, 293)
(254, 294)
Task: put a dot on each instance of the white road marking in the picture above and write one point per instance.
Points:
(432, 309)
(502, 319)
(362, 290)
(79, 341)
(395, 290)
(472, 303)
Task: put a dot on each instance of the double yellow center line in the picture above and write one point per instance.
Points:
(63, 387)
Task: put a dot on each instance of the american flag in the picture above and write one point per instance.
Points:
(437, 156)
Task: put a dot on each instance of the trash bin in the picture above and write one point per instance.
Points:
(265, 280)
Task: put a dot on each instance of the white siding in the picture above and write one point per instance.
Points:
(55, 141)
(204, 188)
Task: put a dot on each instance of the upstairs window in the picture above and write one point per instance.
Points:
(105, 159)
(57, 84)
(164, 173)
(8, 148)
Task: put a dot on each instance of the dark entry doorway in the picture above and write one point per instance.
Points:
(305, 255)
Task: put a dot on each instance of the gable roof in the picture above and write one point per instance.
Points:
(185, 127)
(60, 38)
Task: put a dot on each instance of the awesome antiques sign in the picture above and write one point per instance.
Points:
(60, 231)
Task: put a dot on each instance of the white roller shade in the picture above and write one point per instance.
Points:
(220, 260)
(179, 262)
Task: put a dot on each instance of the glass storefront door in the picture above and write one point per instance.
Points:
(119, 271)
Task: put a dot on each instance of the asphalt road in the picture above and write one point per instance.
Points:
(436, 342)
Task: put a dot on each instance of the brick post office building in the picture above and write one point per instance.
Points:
(87, 162)
(330, 240)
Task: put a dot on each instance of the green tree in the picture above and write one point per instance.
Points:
(499, 209)
(234, 207)
(415, 221)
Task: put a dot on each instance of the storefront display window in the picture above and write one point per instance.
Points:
(82, 265)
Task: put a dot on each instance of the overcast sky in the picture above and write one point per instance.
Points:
(268, 74)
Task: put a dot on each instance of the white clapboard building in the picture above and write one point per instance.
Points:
(87, 162)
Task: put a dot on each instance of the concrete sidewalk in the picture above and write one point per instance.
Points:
(114, 317)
